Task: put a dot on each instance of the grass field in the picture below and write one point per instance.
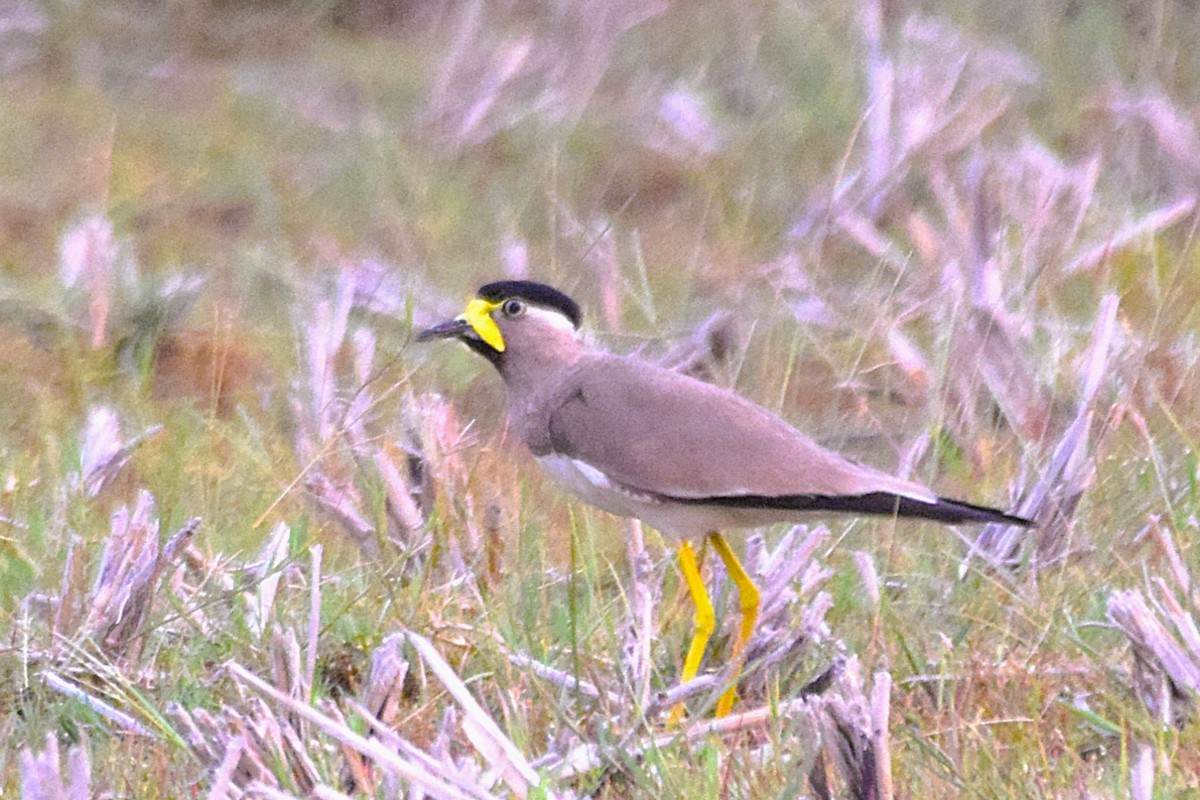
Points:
(256, 542)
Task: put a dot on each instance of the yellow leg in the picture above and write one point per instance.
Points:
(704, 620)
(748, 594)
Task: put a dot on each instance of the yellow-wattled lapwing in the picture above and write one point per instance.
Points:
(686, 457)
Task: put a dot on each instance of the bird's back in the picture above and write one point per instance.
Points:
(660, 432)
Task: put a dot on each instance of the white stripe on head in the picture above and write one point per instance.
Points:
(551, 317)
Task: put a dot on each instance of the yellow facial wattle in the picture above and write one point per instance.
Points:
(479, 316)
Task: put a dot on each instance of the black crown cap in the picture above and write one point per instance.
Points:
(534, 292)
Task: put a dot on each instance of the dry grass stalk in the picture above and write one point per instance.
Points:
(790, 622)
(439, 439)
(1141, 773)
(252, 748)
(443, 786)
(125, 722)
(104, 454)
(702, 685)
(987, 342)
(1178, 569)
(1172, 126)
(383, 689)
(247, 746)
(328, 793)
(1165, 641)
(341, 421)
(323, 339)
(845, 712)
(565, 680)
(1166, 650)
(286, 664)
(97, 268)
(990, 341)
(868, 575)
(587, 757)
(128, 579)
(497, 74)
(316, 553)
(1147, 226)
(265, 574)
(1161, 626)
(102, 633)
(640, 623)
(483, 732)
(222, 783)
(933, 95)
(436, 759)
(791, 619)
(386, 289)
(343, 504)
(323, 332)
(193, 581)
(881, 698)
(1053, 499)
(42, 777)
(853, 724)
(87, 257)
(70, 602)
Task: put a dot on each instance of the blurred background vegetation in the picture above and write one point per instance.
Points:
(893, 222)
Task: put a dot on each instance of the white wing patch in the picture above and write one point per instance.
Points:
(593, 486)
(875, 481)
(921, 497)
(577, 476)
(918, 493)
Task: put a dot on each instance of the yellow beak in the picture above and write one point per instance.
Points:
(479, 316)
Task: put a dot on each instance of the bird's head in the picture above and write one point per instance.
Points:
(515, 320)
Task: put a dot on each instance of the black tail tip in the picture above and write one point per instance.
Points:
(956, 511)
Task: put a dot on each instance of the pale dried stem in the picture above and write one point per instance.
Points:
(1141, 773)
(1052, 500)
(563, 679)
(42, 777)
(101, 708)
(481, 729)
(314, 619)
(845, 708)
(642, 623)
(436, 786)
(1142, 229)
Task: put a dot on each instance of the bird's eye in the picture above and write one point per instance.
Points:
(512, 308)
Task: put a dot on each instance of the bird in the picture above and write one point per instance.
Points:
(689, 458)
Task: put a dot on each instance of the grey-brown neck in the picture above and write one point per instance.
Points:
(527, 366)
